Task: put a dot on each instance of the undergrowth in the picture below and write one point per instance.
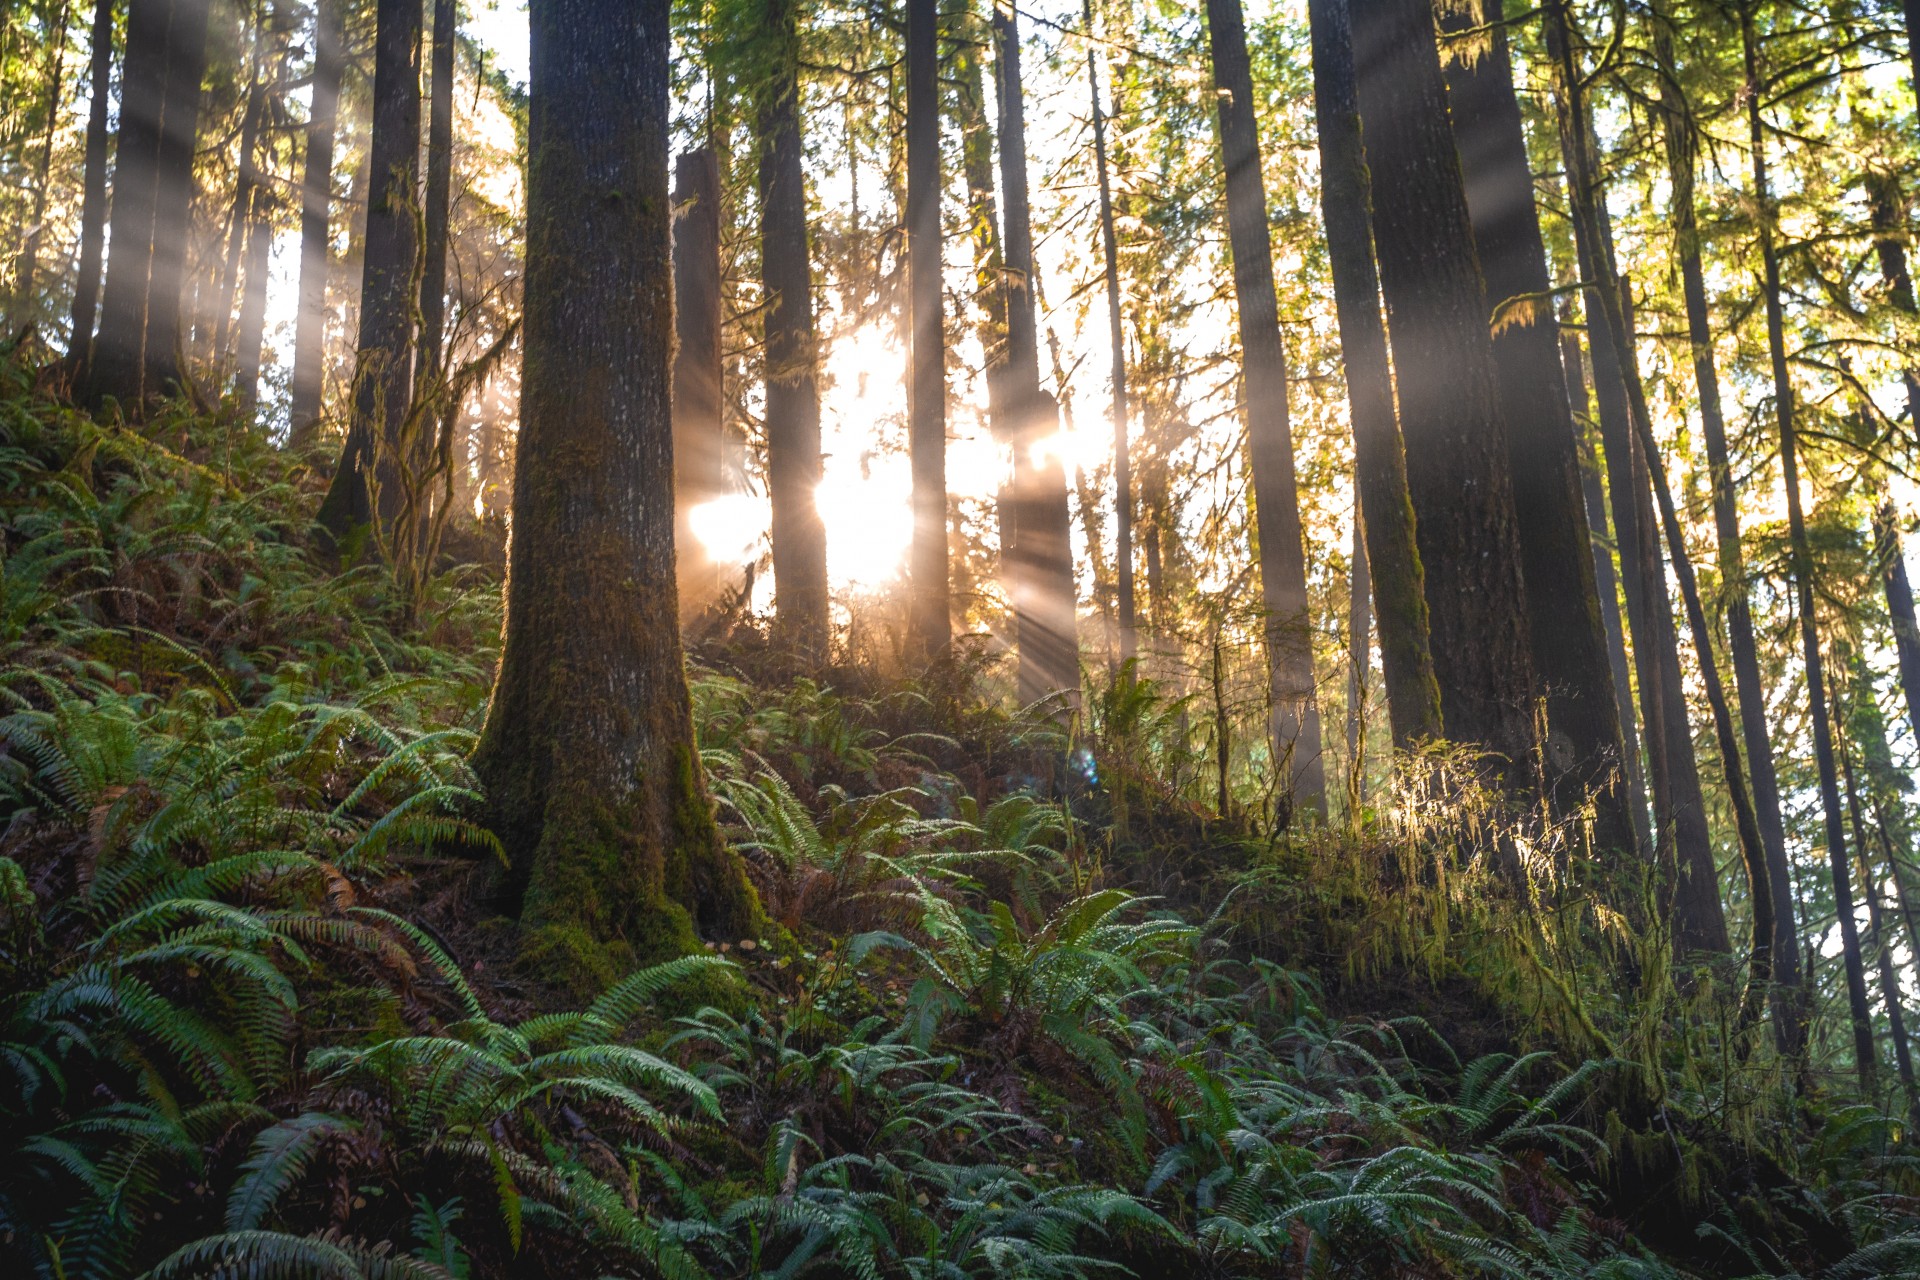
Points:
(1033, 1009)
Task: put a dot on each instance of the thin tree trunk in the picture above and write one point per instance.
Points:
(1802, 563)
(1607, 587)
(152, 191)
(1585, 755)
(25, 308)
(930, 627)
(1683, 844)
(1294, 716)
(1677, 124)
(439, 191)
(1900, 610)
(792, 358)
(1456, 449)
(1360, 665)
(240, 217)
(93, 204)
(1380, 466)
(1885, 783)
(383, 370)
(1877, 940)
(1044, 591)
(1116, 337)
(698, 424)
(316, 202)
(588, 755)
(253, 304)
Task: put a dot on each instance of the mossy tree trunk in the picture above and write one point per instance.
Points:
(1606, 582)
(588, 756)
(1045, 618)
(1585, 754)
(1456, 449)
(798, 537)
(1683, 842)
(1294, 712)
(389, 289)
(1380, 466)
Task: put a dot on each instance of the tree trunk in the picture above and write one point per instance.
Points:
(1294, 715)
(1802, 563)
(25, 308)
(698, 422)
(240, 216)
(316, 202)
(1380, 467)
(152, 194)
(173, 191)
(1116, 337)
(1683, 845)
(1585, 755)
(1044, 591)
(929, 627)
(588, 755)
(253, 304)
(792, 357)
(439, 192)
(1359, 665)
(93, 205)
(383, 369)
(1877, 940)
(1456, 446)
(1607, 587)
(1677, 124)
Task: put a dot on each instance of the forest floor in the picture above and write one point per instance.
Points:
(1029, 1006)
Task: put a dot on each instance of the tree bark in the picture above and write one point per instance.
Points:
(792, 357)
(1359, 664)
(1585, 755)
(439, 191)
(93, 203)
(134, 354)
(1044, 591)
(588, 755)
(1683, 850)
(1456, 447)
(1678, 127)
(1802, 564)
(1380, 467)
(1607, 587)
(1116, 338)
(316, 202)
(930, 627)
(1294, 712)
(383, 370)
(698, 421)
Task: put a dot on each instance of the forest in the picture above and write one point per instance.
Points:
(928, 639)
